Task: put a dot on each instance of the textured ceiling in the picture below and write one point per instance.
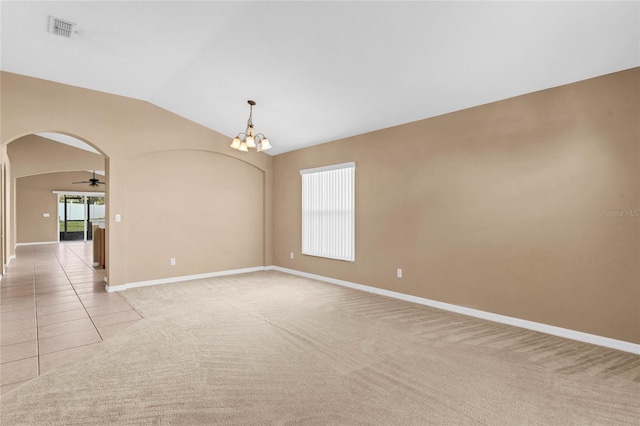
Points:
(319, 71)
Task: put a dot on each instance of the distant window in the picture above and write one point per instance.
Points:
(328, 211)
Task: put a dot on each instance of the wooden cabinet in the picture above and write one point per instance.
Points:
(98, 246)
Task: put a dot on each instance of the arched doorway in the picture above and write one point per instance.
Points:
(36, 166)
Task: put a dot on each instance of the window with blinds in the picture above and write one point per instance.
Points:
(328, 211)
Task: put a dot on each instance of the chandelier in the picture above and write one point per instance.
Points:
(246, 140)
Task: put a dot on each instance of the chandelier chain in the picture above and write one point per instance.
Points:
(250, 121)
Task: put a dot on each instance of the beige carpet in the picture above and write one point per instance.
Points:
(270, 348)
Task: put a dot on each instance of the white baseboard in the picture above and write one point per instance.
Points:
(4, 267)
(530, 325)
(126, 286)
(39, 243)
(503, 319)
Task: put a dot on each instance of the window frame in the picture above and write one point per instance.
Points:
(327, 209)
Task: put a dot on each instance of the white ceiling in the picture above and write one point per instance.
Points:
(319, 71)
(68, 140)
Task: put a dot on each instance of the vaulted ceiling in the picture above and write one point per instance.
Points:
(319, 71)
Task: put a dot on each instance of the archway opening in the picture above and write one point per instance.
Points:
(35, 168)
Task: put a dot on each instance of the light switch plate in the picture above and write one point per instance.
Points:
(118, 218)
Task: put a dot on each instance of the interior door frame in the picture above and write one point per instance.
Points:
(3, 215)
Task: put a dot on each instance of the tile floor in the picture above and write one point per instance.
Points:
(53, 306)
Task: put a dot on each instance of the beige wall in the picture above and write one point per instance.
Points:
(32, 155)
(203, 209)
(501, 208)
(34, 196)
(124, 129)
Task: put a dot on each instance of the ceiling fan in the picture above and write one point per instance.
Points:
(92, 182)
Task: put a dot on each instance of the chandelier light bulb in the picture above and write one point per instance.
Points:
(265, 145)
(235, 144)
(251, 143)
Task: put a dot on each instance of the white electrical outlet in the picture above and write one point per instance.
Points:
(45, 215)
(399, 273)
(291, 255)
(173, 261)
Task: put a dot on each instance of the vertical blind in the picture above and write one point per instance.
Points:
(328, 211)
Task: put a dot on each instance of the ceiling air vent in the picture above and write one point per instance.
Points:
(60, 27)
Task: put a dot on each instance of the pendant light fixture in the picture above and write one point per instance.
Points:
(248, 139)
